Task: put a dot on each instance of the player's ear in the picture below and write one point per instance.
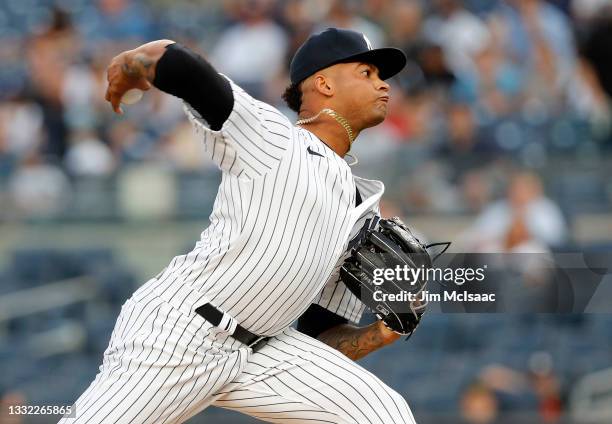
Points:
(324, 85)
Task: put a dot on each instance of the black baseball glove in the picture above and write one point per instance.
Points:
(387, 272)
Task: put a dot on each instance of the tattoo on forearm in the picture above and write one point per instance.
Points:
(354, 342)
(138, 67)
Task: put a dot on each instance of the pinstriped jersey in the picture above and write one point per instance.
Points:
(282, 219)
(335, 296)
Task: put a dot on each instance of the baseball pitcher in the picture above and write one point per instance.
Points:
(293, 233)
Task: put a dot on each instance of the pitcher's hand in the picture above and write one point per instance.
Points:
(133, 69)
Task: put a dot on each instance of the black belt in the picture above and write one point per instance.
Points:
(214, 316)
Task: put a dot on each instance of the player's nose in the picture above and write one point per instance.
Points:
(383, 85)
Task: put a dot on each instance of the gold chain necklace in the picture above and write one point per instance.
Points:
(339, 118)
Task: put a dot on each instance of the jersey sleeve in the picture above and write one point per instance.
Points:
(251, 141)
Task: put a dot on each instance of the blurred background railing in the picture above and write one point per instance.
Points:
(498, 138)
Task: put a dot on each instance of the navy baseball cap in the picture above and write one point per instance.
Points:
(336, 45)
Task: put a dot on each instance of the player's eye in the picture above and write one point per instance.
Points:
(366, 72)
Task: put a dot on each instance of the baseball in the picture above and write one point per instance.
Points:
(132, 96)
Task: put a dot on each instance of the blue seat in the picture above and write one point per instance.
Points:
(59, 381)
(35, 266)
(32, 267)
(196, 194)
(92, 258)
(8, 282)
(94, 198)
(99, 329)
(115, 283)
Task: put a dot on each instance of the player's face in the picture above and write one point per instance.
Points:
(363, 93)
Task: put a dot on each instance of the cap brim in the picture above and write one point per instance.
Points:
(388, 60)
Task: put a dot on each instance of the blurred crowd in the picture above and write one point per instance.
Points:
(497, 389)
(503, 112)
(486, 81)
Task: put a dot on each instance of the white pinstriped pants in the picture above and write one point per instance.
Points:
(163, 366)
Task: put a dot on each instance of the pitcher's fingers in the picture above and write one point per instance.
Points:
(143, 84)
(115, 99)
(111, 88)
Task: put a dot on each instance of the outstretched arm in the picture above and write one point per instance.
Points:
(174, 69)
(357, 342)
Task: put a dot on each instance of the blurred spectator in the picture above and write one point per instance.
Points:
(519, 239)
(525, 221)
(494, 87)
(429, 189)
(117, 23)
(131, 143)
(13, 69)
(459, 32)
(538, 38)
(21, 127)
(436, 72)
(514, 237)
(88, 156)
(298, 18)
(538, 387)
(547, 387)
(252, 51)
(471, 91)
(406, 25)
(511, 387)
(38, 189)
(478, 405)
(464, 146)
(344, 14)
(82, 93)
(50, 53)
(462, 128)
(423, 119)
(477, 190)
(378, 10)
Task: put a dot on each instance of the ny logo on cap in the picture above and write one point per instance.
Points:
(367, 42)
